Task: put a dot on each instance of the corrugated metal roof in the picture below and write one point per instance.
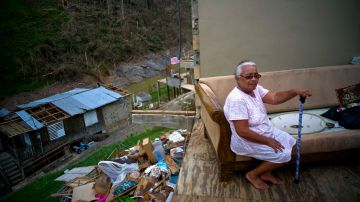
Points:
(29, 120)
(76, 101)
(71, 106)
(52, 98)
(86, 101)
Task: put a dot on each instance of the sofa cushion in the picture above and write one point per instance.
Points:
(330, 141)
(324, 142)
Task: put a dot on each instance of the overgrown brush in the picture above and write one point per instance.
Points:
(65, 39)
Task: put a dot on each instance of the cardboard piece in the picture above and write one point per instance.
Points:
(102, 184)
(172, 164)
(148, 148)
(84, 193)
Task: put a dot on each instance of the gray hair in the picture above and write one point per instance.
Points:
(243, 64)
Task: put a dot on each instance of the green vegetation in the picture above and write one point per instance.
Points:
(163, 94)
(42, 41)
(150, 85)
(42, 188)
(144, 84)
(26, 27)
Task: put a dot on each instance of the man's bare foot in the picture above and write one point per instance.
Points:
(256, 182)
(271, 178)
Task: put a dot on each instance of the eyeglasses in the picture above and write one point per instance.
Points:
(250, 76)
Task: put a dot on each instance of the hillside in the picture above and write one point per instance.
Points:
(46, 41)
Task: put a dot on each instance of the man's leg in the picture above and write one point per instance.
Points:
(254, 176)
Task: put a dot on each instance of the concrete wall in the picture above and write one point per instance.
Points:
(277, 35)
(117, 114)
(168, 121)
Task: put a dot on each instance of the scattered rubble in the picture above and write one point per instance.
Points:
(148, 171)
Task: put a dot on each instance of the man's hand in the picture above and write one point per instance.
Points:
(275, 145)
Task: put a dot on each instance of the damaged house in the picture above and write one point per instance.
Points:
(42, 131)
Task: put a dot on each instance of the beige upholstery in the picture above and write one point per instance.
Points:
(321, 81)
(330, 141)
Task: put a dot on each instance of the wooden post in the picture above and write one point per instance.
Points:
(168, 92)
(158, 93)
(39, 140)
(15, 149)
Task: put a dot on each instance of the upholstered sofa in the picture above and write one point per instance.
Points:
(321, 81)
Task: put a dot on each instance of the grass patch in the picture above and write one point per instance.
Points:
(103, 152)
(42, 188)
(150, 86)
(144, 85)
(163, 94)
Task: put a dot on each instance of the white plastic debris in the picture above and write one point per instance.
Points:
(176, 137)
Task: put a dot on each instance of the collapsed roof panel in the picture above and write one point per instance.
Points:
(29, 120)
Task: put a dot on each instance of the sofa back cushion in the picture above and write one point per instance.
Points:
(321, 81)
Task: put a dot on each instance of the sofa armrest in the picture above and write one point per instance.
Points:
(208, 99)
(220, 144)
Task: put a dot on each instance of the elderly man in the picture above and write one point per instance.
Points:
(252, 132)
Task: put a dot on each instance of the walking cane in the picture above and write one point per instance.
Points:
(298, 143)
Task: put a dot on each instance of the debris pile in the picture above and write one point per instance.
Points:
(147, 171)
